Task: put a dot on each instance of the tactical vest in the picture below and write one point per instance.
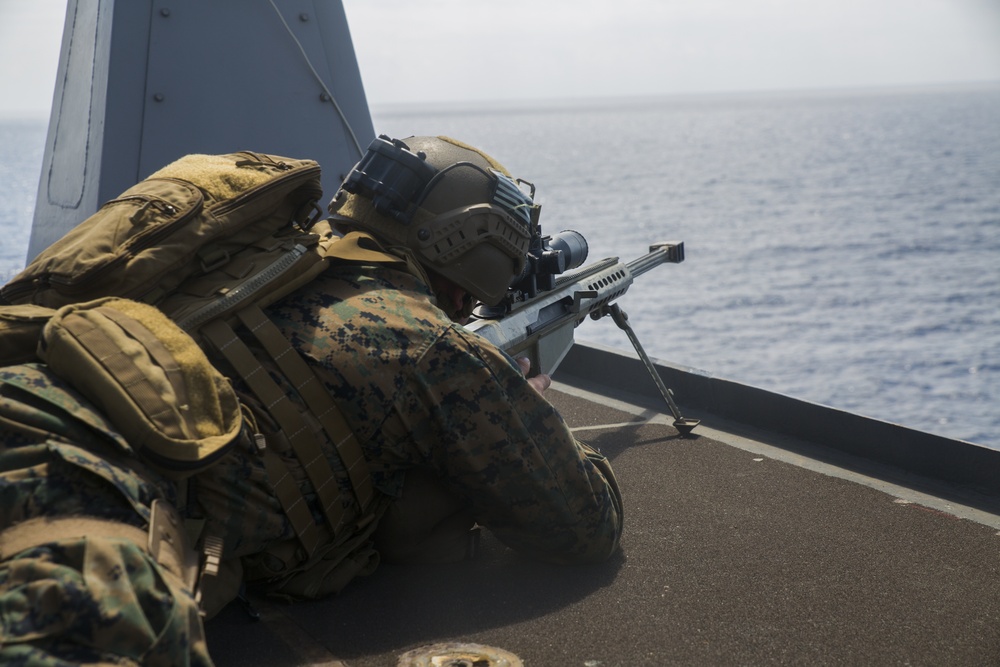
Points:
(210, 241)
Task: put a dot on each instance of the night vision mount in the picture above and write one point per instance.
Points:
(392, 176)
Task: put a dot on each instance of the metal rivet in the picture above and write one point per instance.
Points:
(164, 12)
(324, 97)
(303, 17)
(158, 97)
(423, 234)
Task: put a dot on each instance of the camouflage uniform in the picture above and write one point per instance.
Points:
(440, 414)
(85, 599)
(424, 394)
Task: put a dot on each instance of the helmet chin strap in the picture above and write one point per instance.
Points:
(452, 299)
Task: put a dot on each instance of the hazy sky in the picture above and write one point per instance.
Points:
(453, 50)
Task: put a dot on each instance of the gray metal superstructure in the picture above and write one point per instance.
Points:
(144, 82)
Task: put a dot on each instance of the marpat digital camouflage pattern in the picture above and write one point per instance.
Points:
(427, 400)
(422, 392)
(83, 599)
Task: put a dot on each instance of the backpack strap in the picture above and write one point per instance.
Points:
(292, 502)
(364, 248)
(360, 247)
(239, 356)
(319, 403)
(296, 429)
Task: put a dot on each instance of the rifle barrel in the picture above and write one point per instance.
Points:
(659, 253)
(584, 271)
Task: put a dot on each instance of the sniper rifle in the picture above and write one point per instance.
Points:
(540, 311)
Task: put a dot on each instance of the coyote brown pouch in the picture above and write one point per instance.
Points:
(149, 378)
(20, 328)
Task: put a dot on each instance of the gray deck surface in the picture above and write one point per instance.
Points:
(730, 557)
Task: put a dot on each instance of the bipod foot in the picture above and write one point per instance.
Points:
(685, 425)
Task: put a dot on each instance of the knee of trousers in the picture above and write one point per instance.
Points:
(97, 598)
(427, 524)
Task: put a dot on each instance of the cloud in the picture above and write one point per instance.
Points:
(453, 50)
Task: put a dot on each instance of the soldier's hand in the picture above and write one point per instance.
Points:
(540, 382)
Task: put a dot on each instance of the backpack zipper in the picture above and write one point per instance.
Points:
(304, 174)
(243, 291)
(126, 250)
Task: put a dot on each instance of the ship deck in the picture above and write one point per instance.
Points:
(745, 543)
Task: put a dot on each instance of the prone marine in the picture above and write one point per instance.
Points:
(444, 435)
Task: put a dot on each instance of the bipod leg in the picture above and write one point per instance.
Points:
(681, 423)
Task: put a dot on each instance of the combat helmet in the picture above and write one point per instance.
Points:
(456, 209)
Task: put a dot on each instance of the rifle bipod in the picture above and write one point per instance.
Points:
(683, 424)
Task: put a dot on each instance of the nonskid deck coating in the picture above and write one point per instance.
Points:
(729, 557)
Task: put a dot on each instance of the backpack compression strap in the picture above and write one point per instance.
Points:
(239, 356)
(317, 400)
(354, 247)
(295, 428)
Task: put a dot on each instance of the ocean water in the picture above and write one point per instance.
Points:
(842, 247)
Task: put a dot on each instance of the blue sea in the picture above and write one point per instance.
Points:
(842, 247)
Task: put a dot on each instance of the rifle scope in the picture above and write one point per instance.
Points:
(548, 256)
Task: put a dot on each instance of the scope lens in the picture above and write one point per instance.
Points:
(573, 247)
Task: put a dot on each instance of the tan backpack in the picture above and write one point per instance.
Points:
(182, 239)
(186, 220)
(210, 240)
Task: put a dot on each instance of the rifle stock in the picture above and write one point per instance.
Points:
(542, 327)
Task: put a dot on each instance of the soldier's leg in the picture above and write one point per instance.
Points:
(96, 600)
(427, 524)
(78, 584)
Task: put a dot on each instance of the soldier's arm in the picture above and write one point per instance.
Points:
(496, 442)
